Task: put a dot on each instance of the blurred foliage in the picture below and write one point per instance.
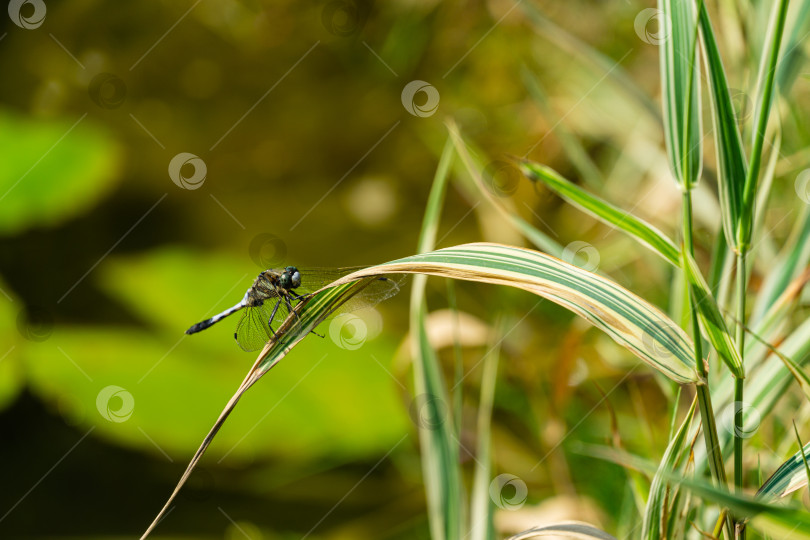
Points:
(297, 114)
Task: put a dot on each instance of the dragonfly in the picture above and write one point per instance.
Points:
(275, 293)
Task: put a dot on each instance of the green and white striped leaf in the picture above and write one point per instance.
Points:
(767, 74)
(639, 229)
(658, 506)
(789, 477)
(710, 318)
(565, 529)
(777, 520)
(680, 79)
(647, 235)
(631, 321)
(731, 169)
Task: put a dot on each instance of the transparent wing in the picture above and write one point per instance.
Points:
(380, 289)
(255, 328)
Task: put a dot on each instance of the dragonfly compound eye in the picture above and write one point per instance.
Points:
(285, 281)
(296, 279)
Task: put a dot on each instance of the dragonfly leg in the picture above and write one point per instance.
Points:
(273, 316)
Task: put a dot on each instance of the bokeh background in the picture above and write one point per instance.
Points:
(301, 149)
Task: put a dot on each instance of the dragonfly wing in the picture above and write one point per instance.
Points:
(378, 290)
(255, 328)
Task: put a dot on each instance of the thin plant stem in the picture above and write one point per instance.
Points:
(705, 407)
(738, 384)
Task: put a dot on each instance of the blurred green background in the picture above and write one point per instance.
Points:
(310, 158)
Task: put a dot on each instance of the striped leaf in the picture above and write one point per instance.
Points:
(789, 477)
(778, 520)
(604, 211)
(631, 321)
(566, 529)
(658, 506)
(767, 74)
(646, 234)
(680, 78)
(731, 169)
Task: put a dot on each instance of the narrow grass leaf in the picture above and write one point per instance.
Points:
(481, 524)
(780, 520)
(565, 529)
(789, 477)
(680, 78)
(639, 229)
(731, 170)
(439, 447)
(629, 320)
(767, 74)
(655, 514)
(710, 317)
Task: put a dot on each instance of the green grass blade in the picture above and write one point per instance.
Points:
(568, 529)
(629, 320)
(763, 108)
(709, 313)
(710, 317)
(680, 79)
(789, 477)
(782, 521)
(639, 229)
(481, 525)
(439, 446)
(653, 527)
(730, 157)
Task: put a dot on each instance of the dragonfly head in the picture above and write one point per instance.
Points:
(290, 278)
